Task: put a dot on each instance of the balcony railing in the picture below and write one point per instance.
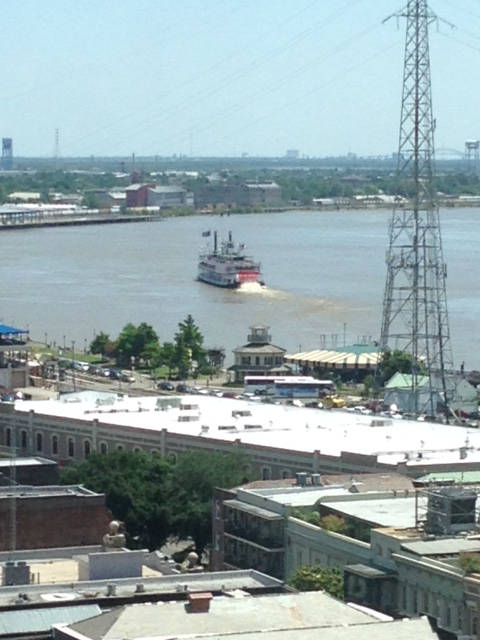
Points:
(255, 535)
(271, 565)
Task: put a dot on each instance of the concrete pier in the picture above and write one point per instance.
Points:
(32, 220)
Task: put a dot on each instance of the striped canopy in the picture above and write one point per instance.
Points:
(334, 359)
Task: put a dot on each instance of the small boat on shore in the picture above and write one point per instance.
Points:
(227, 265)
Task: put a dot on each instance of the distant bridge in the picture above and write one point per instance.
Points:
(446, 152)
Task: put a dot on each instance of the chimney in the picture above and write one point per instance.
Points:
(199, 602)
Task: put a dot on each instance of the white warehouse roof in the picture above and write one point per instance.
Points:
(277, 426)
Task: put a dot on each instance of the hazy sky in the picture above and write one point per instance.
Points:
(223, 77)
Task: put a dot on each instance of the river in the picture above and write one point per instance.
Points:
(325, 274)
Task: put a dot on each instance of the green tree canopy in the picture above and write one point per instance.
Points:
(316, 578)
(156, 497)
(196, 475)
(189, 344)
(136, 486)
(470, 562)
(396, 361)
(99, 343)
(168, 356)
(135, 342)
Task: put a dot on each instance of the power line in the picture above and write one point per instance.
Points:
(231, 78)
(268, 90)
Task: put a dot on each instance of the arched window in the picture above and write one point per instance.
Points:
(23, 439)
(286, 473)
(172, 457)
(86, 448)
(8, 437)
(137, 449)
(54, 445)
(71, 448)
(119, 447)
(155, 452)
(247, 470)
(266, 473)
(103, 448)
(39, 442)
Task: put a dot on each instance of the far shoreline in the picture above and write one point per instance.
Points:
(106, 217)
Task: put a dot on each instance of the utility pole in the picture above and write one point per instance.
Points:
(56, 148)
(74, 376)
(415, 317)
(13, 486)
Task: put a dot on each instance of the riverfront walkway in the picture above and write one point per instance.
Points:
(33, 219)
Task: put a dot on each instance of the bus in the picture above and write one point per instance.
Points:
(288, 386)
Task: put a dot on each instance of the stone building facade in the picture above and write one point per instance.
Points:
(399, 571)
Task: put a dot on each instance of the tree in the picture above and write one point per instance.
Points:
(368, 384)
(134, 341)
(182, 357)
(152, 355)
(99, 343)
(316, 578)
(196, 475)
(168, 356)
(90, 201)
(334, 523)
(470, 562)
(190, 338)
(396, 361)
(156, 498)
(308, 514)
(136, 487)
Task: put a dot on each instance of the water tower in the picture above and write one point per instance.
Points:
(7, 154)
(472, 149)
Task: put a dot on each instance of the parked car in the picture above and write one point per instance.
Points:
(126, 376)
(165, 386)
(182, 388)
(80, 366)
(95, 370)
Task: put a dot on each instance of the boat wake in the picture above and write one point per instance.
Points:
(251, 287)
(308, 304)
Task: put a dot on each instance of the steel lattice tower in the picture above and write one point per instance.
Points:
(415, 318)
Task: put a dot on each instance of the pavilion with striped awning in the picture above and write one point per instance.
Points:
(358, 357)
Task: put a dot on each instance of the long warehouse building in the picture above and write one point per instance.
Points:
(279, 440)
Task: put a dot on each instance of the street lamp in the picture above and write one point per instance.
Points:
(74, 379)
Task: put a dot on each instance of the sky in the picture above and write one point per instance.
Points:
(226, 77)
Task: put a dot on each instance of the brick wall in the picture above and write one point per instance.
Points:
(55, 521)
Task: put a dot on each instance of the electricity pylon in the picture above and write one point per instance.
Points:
(415, 317)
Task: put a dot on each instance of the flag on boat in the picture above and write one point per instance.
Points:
(205, 234)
